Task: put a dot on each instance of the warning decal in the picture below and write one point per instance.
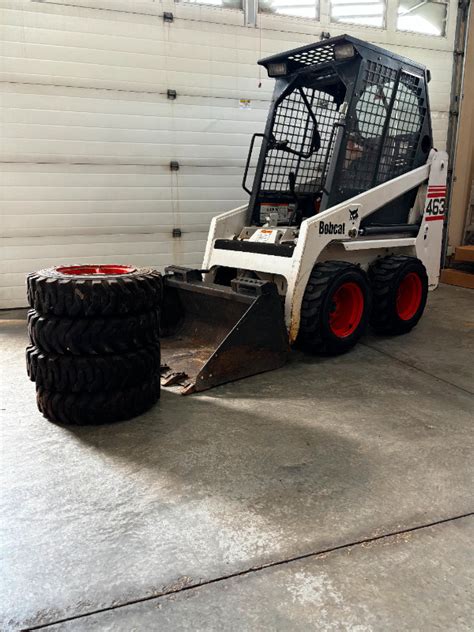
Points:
(282, 210)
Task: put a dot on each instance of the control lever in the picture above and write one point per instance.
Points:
(292, 184)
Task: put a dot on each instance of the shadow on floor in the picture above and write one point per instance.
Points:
(203, 447)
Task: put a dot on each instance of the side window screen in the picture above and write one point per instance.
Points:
(293, 126)
(404, 128)
(372, 109)
(379, 148)
(406, 116)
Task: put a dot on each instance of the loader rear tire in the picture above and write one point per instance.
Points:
(94, 290)
(90, 336)
(98, 408)
(335, 308)
(92, 374)
(400, 289)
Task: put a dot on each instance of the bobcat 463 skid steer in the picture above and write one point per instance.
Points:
(343, 226)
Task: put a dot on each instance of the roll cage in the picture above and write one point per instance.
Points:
(345, 116)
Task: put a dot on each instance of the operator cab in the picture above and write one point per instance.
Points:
(345, 116)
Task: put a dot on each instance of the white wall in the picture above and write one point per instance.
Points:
(87, 132)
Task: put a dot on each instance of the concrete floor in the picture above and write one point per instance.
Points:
(333, 494)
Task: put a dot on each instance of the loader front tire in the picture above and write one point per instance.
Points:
(400, 289)
(335, 308)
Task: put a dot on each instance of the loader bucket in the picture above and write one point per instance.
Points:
(213, 334)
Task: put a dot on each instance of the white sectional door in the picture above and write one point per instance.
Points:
(88, 132)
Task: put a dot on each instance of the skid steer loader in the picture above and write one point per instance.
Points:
(343, 225)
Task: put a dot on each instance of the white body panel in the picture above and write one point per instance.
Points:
(87, 131)
(313, 246)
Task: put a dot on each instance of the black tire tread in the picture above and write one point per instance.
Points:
(97, 408)
(383, 273)
(311, 335)
(91, 374)
(89, 336)
(51, 293)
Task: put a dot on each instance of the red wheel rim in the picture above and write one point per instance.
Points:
(409, 296)
(347, 309)
(92, 270)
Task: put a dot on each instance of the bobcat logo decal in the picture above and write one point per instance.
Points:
(353, 214)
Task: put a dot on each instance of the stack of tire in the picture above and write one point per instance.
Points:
(95, 351)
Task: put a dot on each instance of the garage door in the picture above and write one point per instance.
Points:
(123, 133)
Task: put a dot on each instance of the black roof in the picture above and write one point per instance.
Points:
(322, 52)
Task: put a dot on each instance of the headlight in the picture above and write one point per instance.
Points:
(276, 70)
(343, 51)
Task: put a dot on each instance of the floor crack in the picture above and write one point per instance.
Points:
(253, 569)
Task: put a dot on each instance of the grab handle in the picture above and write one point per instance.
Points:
(247, 165)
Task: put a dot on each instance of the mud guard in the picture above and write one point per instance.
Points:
(213, 334)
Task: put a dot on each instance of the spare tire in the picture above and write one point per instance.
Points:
(98, 408)
(92, 374)
(94, 290)
(91, 336)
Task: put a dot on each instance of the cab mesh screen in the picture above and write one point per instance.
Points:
(317, 55)
(382, 140)
(293, 124)
(404, 128)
